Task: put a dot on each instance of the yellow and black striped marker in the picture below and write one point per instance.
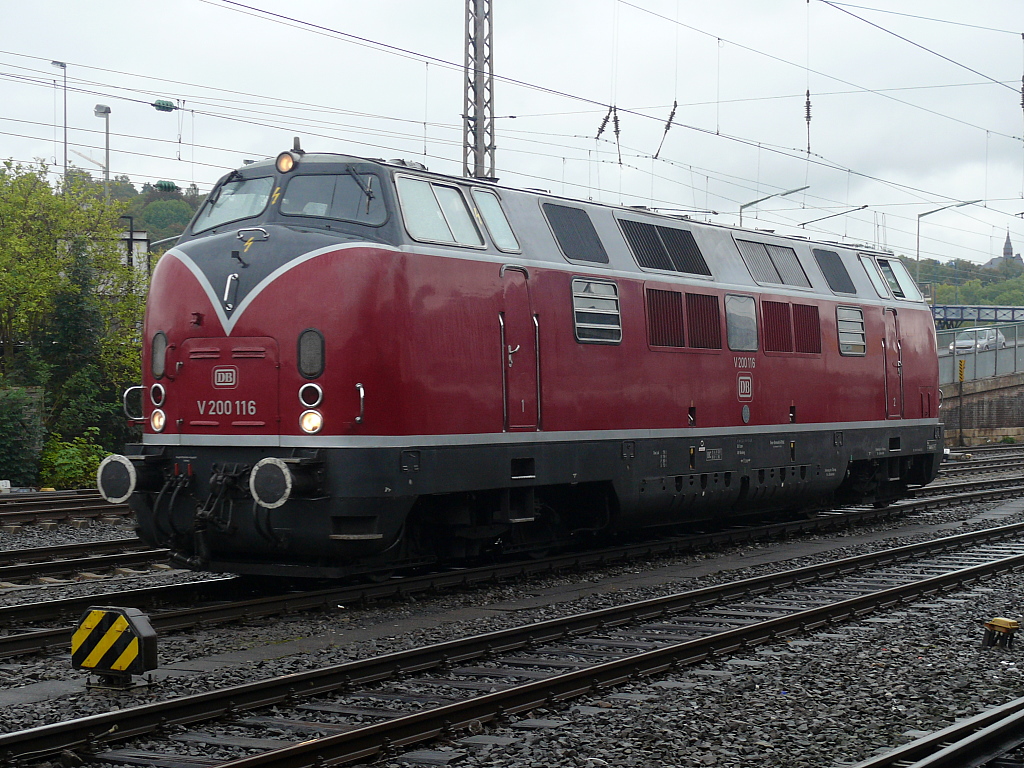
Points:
(114, 642)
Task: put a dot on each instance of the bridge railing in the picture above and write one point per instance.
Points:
(981, 364)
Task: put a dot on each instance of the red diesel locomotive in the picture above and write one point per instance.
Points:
(353, 364)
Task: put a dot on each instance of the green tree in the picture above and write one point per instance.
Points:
(70, 308)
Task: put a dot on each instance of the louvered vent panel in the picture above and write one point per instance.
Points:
(665, 318)
(702, 316)
(778, 332)
(646, 245)
(756, 257)
(788, 265)
(806, 328)
(683, 250)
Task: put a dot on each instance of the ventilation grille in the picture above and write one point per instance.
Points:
(665, 318)
(773, 264)
(806, 328)
(778, 332)
(665, 248)
(702, 316)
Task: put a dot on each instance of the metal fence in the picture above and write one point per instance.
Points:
(981, 364)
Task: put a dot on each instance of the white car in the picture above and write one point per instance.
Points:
(977, 338)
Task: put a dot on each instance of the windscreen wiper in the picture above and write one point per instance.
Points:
(366, 188)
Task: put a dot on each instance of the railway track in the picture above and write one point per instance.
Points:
(56, 506)
(983, 740)
(477, 679)
(89, 558)
(227, 599)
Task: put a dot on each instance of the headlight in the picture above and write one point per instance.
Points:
(311, 422)
(157, 420)
(157, 394)
(286, 161)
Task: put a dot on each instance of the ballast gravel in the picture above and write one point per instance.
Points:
(823, 699)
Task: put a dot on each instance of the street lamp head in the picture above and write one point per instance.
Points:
(59, 64)
(101, 110)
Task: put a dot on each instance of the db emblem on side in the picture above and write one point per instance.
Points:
(745, 387)
(225, 377)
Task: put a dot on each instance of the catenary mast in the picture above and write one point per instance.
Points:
(478, 109)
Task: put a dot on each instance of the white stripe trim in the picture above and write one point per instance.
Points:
(229, 323)
(514, 438)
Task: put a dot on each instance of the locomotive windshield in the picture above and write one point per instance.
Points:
(349, 197)
(233, 200)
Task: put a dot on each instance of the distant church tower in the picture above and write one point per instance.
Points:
(1007, 246)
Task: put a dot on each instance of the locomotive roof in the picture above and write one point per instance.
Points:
(723, 254)
(325, 159)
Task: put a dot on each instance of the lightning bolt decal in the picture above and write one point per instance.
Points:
(277, 194)
(248, 242)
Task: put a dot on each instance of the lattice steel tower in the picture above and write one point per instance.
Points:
(478, 110)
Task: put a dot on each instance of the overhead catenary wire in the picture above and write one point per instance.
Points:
(224, 115)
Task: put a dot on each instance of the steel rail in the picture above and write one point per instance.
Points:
(972, 741)
(80, 564)
(129, 722)
(372, 740)
(44, 639)
(57, 512)
(81, 549)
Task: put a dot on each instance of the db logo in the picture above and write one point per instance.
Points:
(745, 387)
(225, 378)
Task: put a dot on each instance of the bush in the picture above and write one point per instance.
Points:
(21, 435)
(74, 464)
(1008, 440)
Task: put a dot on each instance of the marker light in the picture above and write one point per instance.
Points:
(157, 394)
(310, 395)
(311, 422)
(286, 161)
(157, 420)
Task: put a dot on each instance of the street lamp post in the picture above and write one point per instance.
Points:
(929, 213)
(769, 197)
(63, 66)
(102, 110)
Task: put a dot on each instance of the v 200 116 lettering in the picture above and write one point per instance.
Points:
(226, 407)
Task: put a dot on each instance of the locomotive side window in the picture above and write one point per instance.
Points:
(773, 264)
(665, 318)
(311, 353)
(234, 200)
(575, 233)
(876, 279)
(595, 306)
(494, 219)
(436, 213)
(705, 321)
(852, 337)
(741, 322)
(346, 197)
(158, 356)
(899, 279)
(667, 248)
(834, 270)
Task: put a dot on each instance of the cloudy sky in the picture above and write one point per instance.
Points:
(915, 104)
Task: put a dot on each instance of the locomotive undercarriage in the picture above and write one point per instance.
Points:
(349, 511)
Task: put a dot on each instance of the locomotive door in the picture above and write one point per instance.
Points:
(893, 366)
(519, 361)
